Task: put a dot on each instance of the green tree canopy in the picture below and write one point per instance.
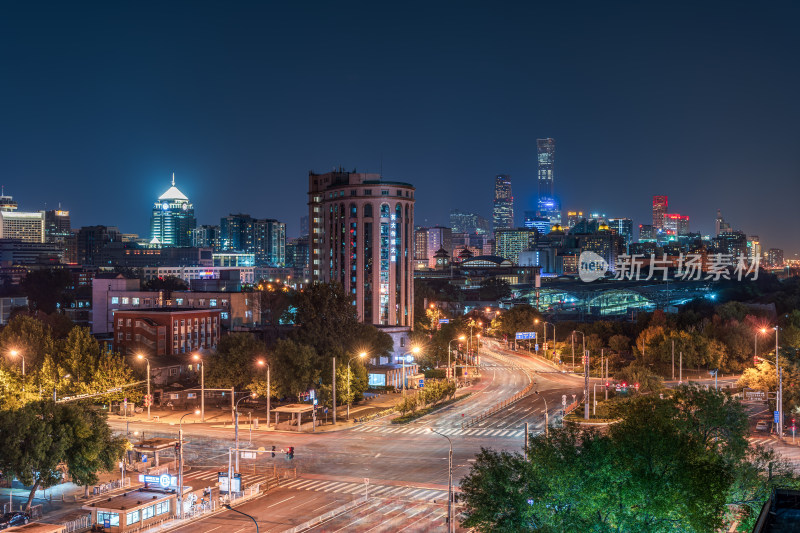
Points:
(234, 362)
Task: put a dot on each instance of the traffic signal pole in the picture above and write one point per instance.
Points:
(586, 386)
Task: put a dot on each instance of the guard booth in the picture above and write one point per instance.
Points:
(151, 448)
(133, 510)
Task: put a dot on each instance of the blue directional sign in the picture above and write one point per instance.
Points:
(526, 335)
(107, 523)
(777, 417)
(444, 321)
(421, 383)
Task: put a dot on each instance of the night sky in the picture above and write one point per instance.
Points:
(699, 101)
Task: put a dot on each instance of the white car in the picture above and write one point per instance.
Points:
(762, 425)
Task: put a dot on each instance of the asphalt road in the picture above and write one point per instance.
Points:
(408, 458)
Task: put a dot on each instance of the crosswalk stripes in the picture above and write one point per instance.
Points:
(212, 476)
(470, 432)
(346, 487)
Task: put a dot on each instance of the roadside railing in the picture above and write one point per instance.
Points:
(499, 406)
(78, 524)
(102, 488)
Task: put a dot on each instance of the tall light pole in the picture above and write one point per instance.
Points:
(461, 338)
(197, 357)
(450, 525)
(55, 386)
(755, 342)
(149, 399)
(261, 362)
(236, 427)
(15, 353)
(409, 355)
(180, 463)
(544, 330)
(780, 385)
(583, 335)
(362, 355)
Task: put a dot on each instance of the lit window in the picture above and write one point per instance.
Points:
(212, 303)
(113, 518)
(125, 301)
(133, 518)
(135, 301)
(115, 300)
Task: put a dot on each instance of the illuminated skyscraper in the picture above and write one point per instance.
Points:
(173, 219)
(546, 155)
(362, 236)
(503, 213)
(659, 210)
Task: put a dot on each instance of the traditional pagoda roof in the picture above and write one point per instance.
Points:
(173, 193)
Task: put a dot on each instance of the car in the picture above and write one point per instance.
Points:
(16, 518)
(762, 425)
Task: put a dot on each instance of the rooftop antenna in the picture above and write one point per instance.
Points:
(381, 166)
(173, 179)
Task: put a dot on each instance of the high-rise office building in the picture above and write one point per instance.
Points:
(720, 226)
(503, 212)
(173, 219)
(573, 217)
(733, 243)
(659, 210)
(434, 239)
(622, 227)
(56, 226)
(362, 236)
(26, 227)
(206, 236)
(753, 248)
(676, 224)
(510, 242)
(775, 257)
(546, 157)
(304, 225)
(265, 238)
(468, 223)
(533, 220)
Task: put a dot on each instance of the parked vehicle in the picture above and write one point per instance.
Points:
(16, 518)
(762, 425)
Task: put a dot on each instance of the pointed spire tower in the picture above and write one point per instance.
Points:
(173, 219)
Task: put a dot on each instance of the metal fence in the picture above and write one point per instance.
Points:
(498, 407)
(102, 488)
(78, 524)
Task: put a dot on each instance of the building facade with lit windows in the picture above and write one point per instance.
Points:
(362, 236)
(510, 242)
(659, 210)
(503, 210)
(166, 330)
(173, 219)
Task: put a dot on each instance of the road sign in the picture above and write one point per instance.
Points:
(755, 395)
(248, 455)
(107, 523)
(164, 480)
(536, 347)
(777, 417)
(421, 383)
(444, 321)
(526, 335)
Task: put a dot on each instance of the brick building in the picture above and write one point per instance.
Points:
(166, 330)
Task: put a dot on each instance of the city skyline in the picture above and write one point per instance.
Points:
(101, 137)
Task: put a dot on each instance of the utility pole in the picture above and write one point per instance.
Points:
(334, 390)
(573, 350)
(780, 387)
(526, 439)
(586, 388)
(269, 395)
(673, 359)
(680, 368)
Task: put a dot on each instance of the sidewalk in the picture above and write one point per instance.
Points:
(222, 418)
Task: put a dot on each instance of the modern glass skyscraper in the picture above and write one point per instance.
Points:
(503, 212)
(659, 210)
(546, 158)
(173, 219)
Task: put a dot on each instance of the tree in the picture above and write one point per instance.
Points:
(669, 464)
(32, 339)
(518, 318)
(166, 284)
(46, 289)
(494, 289)
(234, 361)
(39, 436)
(327, 319)
(294, 368)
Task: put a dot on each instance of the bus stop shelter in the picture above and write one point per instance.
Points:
(295, 411)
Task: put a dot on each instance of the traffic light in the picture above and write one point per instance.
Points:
(290, 452)
(636, 385)
(273, 451)
(177, 447)
(607, 384)
(583, 360)
(755, 360)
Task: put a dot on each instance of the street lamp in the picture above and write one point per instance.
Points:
(755, 342)
(459, 338)
(362, 355)
(197, 357)
(236, 426)
(180, 462)
(408, 356)
(149, 398)
(15, 353)
(544, 329)
(228, 507)
(55, 385)
(583, 335)
(780, 385)
(450, 525)
(261, 362)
